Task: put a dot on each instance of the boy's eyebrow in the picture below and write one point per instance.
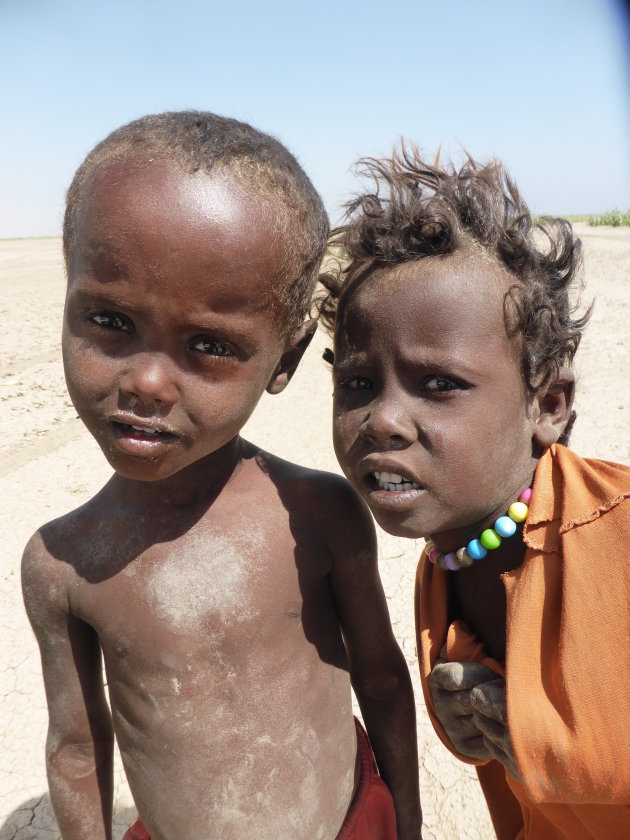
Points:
(347, 361)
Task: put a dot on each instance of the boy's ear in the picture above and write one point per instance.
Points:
(552, 408)
(290, 359)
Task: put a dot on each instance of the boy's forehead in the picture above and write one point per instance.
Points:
(451, 308)
(135, 187)
(468, 274)
(131, 205)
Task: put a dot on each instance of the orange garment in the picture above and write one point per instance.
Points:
(371, 815)
(567, 668)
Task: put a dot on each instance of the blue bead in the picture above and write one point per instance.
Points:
(505, 527)
(476, 550)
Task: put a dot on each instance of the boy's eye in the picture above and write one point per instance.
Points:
(438, 384)
(111, 321)
(212, 347)
(356, 383)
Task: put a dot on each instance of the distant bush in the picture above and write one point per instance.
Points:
(614, 218)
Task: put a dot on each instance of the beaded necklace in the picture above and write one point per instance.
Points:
(504, 527)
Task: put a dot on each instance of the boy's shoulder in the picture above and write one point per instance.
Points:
(575, 491)
(316, 492)
(61, 548)
(323, 501)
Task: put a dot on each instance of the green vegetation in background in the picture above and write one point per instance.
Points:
(613, 218)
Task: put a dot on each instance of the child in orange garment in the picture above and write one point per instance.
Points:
(454, 335)
(233, 596)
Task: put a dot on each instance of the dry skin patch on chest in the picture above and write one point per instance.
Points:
(205, 575)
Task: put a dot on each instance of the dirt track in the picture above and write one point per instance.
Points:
(49, 464)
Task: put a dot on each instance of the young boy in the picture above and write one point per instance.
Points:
(231, 594)
(454, 338)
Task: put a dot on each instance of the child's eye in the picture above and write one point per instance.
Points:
(356, 383)
(111, 321)
(439, 384)
(212, 347)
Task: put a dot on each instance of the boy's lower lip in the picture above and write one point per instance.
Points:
(393, 499)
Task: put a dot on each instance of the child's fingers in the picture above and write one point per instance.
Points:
(506, 758)
(461, 731)
(497, 741)
(458, 676)
(489, 700)
(451, 703)
(494, 731)
(475, 747)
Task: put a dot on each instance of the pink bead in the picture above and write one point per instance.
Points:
(526, 496)
(433, 553)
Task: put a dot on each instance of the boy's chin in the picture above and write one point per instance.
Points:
(399, 526)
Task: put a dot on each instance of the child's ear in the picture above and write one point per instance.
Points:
(552, 408)
(290, 359)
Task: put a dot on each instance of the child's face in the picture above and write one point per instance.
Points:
(428, 387)
(171, 326)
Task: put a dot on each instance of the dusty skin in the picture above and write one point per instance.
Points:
(49, 464)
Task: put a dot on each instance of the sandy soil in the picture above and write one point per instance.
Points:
(49, 464)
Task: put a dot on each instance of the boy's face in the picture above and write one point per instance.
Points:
(171, 327)
(428, 387)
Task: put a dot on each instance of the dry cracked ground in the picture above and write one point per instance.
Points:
(48, 465)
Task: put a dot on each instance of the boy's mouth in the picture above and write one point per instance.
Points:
(143, 432)
(392, 482)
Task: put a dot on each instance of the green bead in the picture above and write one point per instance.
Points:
(518, 511)
(490, 539)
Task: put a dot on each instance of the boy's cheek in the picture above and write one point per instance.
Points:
(343, 436)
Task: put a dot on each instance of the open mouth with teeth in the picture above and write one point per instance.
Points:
(142, 432)
(392, 482)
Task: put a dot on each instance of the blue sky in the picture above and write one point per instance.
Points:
(543, 85)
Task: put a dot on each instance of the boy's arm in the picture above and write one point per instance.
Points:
(79, 746)
(378, 670)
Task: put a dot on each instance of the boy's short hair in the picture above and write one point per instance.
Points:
(419, 210)
(202, 141)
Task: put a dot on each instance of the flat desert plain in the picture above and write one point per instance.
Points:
(49, 464)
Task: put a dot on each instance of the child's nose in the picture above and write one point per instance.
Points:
(150, 378)
(387, 422)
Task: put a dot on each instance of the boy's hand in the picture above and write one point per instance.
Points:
(469, 700)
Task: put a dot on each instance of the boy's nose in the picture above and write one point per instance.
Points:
(387, 423)
(149, 378)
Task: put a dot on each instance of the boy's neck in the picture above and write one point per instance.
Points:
(198, 484)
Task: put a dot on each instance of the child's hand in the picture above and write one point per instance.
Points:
(470, 702)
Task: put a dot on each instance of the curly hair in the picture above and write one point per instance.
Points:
(418, 210)
(203, 141)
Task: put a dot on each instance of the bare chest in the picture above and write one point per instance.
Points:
(479, 600)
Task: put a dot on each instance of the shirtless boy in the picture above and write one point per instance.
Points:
(455, 334)
(232, 596)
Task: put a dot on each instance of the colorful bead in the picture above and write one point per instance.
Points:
(463, 558)
(440, 562)
(450, 561)
(490, 539)
(476, 550)
(518, 511)
(505, 527)
(433, 553)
